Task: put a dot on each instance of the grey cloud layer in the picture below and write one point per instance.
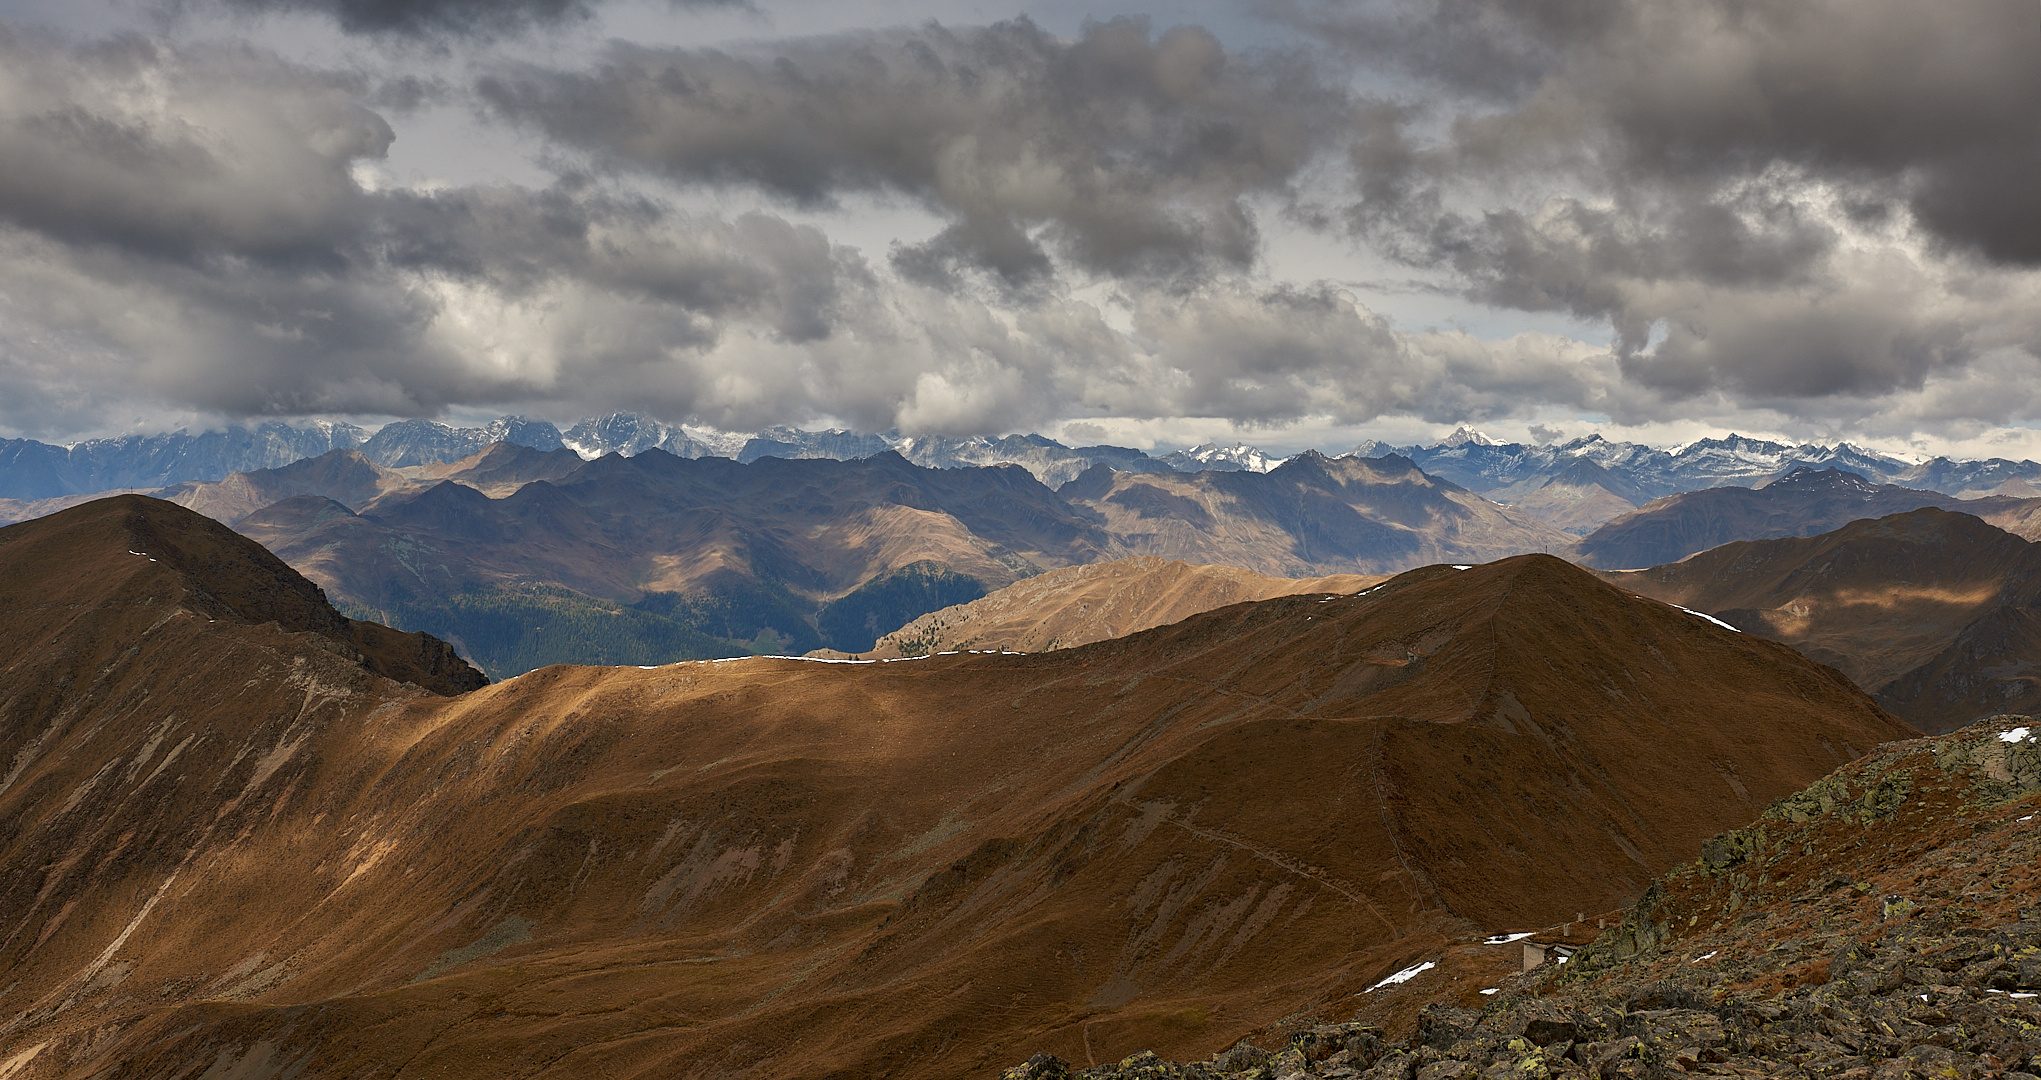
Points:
(194, 229)
(1823, 221)
(1799, 205)
(1122, 151)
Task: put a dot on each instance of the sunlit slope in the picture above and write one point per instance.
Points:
(1082, 604)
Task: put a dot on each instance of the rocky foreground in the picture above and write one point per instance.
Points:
(1883, 923)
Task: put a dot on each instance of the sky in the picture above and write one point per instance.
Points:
(1287, 222)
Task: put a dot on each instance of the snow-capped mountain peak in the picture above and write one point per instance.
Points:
(1467, 436)
(1213, 457)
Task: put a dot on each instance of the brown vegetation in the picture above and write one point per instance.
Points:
(231, 846)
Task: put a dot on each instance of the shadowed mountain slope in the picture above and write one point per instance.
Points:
(191, 568)
(345, 476)
(1310, 516)
(231, 848)
(1578, 499)
(1805, 502)
(1930, 610)
(1082, 604)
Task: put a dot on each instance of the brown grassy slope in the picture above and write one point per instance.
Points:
(229, 847)
(1931, 610)
(203, 571)
(1082, 604)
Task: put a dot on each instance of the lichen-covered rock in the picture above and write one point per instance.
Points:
(1039, 1067)
(1881, 923)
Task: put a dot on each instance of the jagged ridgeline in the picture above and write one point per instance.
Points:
(523, 557)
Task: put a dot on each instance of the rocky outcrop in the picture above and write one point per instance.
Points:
(1881, 923)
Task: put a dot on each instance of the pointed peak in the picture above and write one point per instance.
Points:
(1467, 436)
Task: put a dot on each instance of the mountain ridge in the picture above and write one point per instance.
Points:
(802, 868)
(32, 471)
(1931, 611)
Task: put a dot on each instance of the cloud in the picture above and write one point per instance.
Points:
(182, 154)
(210, 229)
(1122, 151)
(1788, 204)
(432, 19)
(217, 252)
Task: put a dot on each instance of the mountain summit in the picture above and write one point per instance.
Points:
(130, 559)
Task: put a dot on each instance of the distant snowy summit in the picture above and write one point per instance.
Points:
(1507, 472)
(1215, 458)
(1503, 470)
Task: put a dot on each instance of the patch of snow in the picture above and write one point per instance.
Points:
(819, 659)
(1710, 618)
(2029, 817)
(2018, 734)
(2022, 995)
(1504, 939)
(1403, 976)
(1708, 956)
(1491, 990)
(1463, 567)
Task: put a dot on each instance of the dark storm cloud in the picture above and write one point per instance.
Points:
(1777, 199)
(1122, 151)
(207, 229)
(191, 225)
(90, 161)
(432, 19)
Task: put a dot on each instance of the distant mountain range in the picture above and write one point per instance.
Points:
(34, 470)
(1574, 486)
(1804, 502)
(525, 557)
